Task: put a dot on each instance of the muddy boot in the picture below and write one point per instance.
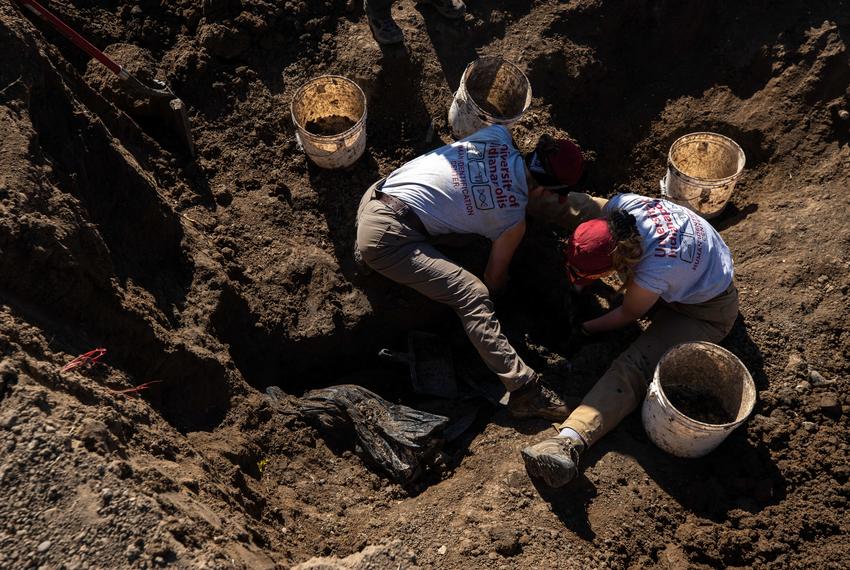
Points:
(452, 9)
(384, 29)
(534, 400)
(554, 460)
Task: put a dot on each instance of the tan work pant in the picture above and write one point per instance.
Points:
(401, 253)
(622, 387)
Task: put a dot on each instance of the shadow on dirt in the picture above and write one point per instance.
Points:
(398, 118)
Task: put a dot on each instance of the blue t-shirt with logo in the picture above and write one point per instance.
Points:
(684, 258)
(476, 185)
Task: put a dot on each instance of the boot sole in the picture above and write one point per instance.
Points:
(546, 467)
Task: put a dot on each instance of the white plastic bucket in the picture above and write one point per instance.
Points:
(322, 106)
(705, 374)
(702, 169)
(492, 91)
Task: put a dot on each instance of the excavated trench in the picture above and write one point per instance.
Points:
(606, 73)
(608, 96)
(233, 272)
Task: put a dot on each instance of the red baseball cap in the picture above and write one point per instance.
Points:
(589, 252)
(566, 163)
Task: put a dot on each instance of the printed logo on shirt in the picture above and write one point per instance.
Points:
(688, 249)
(483, 196)
(688, 245)
(666, 228)
(475, 150)
(700, 239)
(459, 172)
(477, 172)
(500, 176)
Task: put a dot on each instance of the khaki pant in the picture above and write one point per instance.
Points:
(399, 252)
(622, 387)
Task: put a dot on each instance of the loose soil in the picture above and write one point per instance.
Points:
(332, 125)
(698, 404)
(225, 274)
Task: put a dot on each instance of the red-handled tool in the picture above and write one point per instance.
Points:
(177, 110)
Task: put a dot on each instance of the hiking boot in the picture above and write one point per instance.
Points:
(452, 9)
(555, 460)
(384, 29)
(534, 400)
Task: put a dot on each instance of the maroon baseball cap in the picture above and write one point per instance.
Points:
(556, 163)
(566, 163)
(589, 252)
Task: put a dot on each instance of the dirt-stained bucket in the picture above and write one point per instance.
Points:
(329, 113)
(702, 170)
(700, 393)
(492, 91)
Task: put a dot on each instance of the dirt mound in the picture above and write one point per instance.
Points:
(218, 276)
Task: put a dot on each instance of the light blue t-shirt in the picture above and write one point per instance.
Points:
(684, 258)
(474, 186)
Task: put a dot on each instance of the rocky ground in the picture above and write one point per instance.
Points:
(219, 276)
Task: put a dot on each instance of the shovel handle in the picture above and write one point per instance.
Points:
(76, 38)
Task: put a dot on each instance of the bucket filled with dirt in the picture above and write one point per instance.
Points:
(699, 394)
(329, 113)
(492, 91)
(702, 170)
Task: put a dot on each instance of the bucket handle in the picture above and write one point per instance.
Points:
(663, 183)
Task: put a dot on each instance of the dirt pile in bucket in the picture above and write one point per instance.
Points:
(698, 404)
(330, 125)
(209, 280)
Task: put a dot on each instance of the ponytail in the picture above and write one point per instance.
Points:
(628, 251)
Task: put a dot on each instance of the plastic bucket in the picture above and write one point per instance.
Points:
(492, 91)
(329, 113)
(700, 393)
(702, 169)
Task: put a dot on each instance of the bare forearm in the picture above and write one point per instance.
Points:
(614, 319)
(495, 281)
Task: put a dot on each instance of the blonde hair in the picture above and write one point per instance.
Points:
(628, 250)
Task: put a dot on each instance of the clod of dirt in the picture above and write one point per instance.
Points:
(139, 63)
(697, 404)
(223, 41)
(330, 125)
(391, 555)
(96, 437)
(505, 541)
(826, 403)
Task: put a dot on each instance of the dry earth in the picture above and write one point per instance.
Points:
(221, 276)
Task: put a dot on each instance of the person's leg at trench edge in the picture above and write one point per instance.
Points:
(403, 255)
(622, 387)
(379, 16)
